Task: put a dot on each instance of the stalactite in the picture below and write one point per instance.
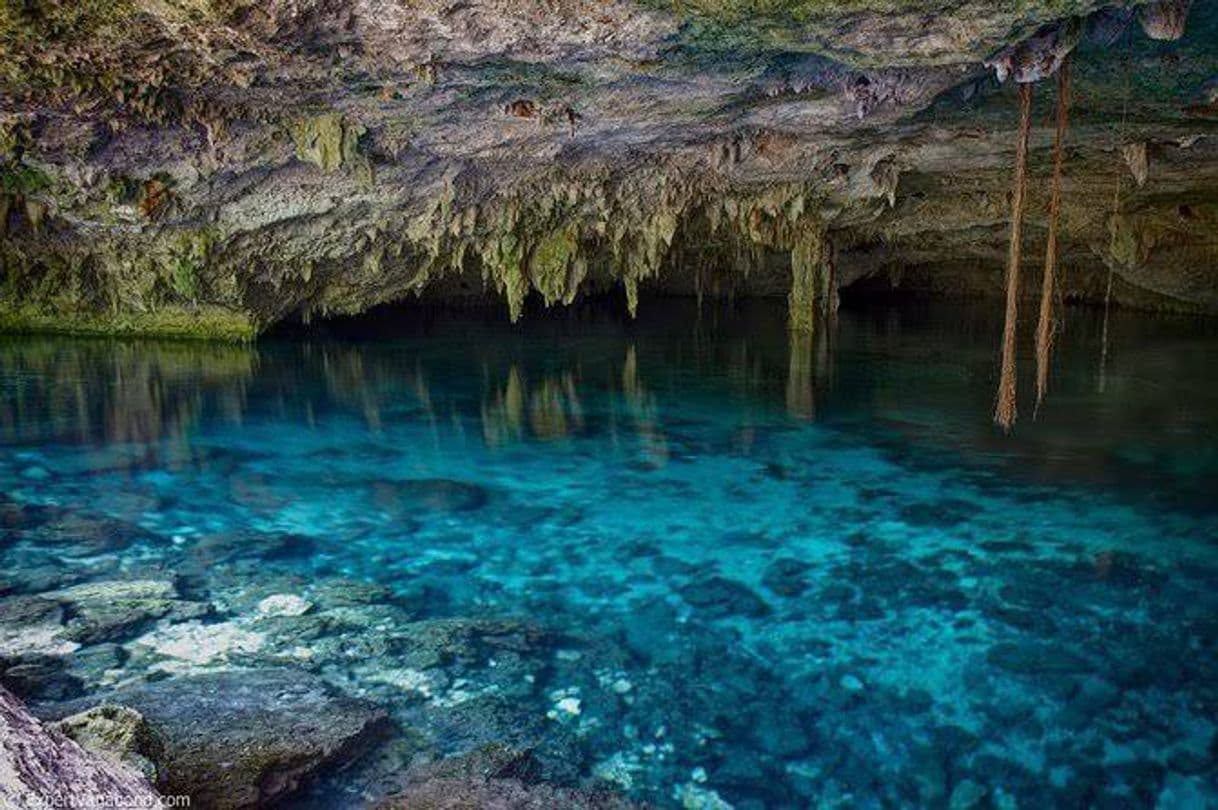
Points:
(1046, 326)
(1005, 410)
(807, 280)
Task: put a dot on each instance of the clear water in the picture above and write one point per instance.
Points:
(765, 572)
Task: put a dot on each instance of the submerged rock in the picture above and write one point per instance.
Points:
(81, 534)
(195, 646)
(244, 738)
(491, 776)
(500, 794)
(32, 625)
(111, 611)
(439, 495)
(967, 795)
(787, 577)
(283, 604)
(1029, 658)
(717, 597)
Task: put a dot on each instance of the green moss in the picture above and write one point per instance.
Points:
(22, 179)
(186, 266)
(808, 280)
(330, 142)
(556, 266)
(205, 323)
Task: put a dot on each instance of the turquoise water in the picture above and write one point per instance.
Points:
(737, 567)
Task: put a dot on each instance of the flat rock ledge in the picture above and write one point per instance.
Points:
(40, 767)
(242, 738)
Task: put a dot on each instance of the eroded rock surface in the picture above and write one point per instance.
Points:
(214, 167)
(243, 738)
(40, 765)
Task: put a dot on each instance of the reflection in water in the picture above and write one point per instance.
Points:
(119, 391)
(909, 370)
(801, 395)
(552, 407)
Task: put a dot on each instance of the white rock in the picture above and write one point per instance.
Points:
(201, 644)
(695, 797)
(569, 705)
(851, 683)
(406, 679)
(284, 604)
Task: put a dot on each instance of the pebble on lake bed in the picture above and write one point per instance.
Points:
(851, 683)
(408, 680)
(569, 705)
(695, 797)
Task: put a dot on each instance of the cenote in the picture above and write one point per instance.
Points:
(693, 559)
(609, 404)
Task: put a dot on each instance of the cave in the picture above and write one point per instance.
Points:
(608, 404)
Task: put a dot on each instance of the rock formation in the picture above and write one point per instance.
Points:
(40, 766)
(215, 166)
(233, 739)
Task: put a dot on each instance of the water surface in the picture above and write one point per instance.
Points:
(748, 568)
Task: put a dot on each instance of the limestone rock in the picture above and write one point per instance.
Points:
(1138, 160)
(1037, 57)
(40, 764)
(113, 610)
(193, 645)
(492, 775)
(502, 794)
(245, 738)
(284, 604)
(118, 734)
(1165, 19)
(32, 624)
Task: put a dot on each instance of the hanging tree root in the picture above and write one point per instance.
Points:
(1005, 410)
(1046, 326)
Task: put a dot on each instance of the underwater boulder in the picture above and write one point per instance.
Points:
(718, 597)
(786, 576)
(117, 734)
(434, 495)
(509, 794)
(491, 719)
(1035, 658)
(115, 610)
(83, 534)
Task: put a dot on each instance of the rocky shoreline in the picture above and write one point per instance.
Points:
(208, 682)
(221, 719)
